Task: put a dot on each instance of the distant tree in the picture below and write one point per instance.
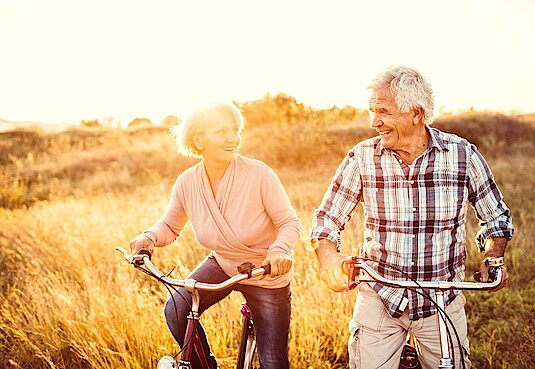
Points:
(170, 120)
(139, 122)
(91, 123)
(275, 110)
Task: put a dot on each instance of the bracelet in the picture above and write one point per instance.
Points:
(494, 261)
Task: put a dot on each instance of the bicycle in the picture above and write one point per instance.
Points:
(356, 265)
(247, 353)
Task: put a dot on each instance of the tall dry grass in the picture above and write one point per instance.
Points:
(68, 300)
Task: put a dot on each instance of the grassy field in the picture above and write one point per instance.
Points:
(67, 199)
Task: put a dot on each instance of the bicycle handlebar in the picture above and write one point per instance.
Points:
(191, 284)
(354, 265)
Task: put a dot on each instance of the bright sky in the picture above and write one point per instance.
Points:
(62, 61)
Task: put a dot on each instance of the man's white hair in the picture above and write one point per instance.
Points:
(410, 89)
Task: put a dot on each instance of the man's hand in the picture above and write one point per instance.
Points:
(331, 265)
(280, 263)
(141, 242)
(495, 248)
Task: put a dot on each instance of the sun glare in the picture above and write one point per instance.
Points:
(124, 60)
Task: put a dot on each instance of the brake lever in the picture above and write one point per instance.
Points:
(136, 259)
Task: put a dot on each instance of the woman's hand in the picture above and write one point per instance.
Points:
(280, 263)
(141, 242)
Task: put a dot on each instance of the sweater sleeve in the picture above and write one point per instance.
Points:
(170, 225)
(281, 212)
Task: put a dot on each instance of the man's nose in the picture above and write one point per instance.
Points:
(375, 121)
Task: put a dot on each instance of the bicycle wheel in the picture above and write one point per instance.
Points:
(247, 354)
(168, 362)
(409, 355)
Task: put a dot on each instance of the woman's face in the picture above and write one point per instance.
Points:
(220, 140)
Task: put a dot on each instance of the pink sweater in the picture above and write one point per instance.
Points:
(249, 217)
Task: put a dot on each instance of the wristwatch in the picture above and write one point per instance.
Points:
(494, 261)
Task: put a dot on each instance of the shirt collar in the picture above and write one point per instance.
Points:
(436, 141)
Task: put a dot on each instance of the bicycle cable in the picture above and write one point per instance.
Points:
(425, 294)
(186, 341)
(169, 287)
(443, 315)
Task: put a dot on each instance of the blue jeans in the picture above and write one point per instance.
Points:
(270, 309)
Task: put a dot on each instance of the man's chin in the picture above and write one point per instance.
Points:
(387, 144)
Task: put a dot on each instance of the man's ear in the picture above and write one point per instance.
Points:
(417, 115)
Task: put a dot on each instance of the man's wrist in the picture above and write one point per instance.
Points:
(495, 247)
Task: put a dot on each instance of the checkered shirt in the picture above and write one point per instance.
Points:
(414, 216)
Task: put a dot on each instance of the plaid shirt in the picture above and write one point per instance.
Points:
(414, 216)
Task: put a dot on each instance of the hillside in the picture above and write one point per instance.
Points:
(68, 198)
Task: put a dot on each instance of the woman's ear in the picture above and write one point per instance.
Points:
(197, 143)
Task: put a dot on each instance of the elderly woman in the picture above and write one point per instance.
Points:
(240, 211)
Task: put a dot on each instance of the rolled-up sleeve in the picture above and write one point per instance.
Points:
(338, 202)
(493, 215)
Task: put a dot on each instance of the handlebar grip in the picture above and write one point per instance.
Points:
(352, 277)
(142, 252)
(267, 269)
(247, 268)
(145, 252)
(492, 275)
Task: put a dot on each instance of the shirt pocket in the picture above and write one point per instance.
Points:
(373, 199)
(447, 199)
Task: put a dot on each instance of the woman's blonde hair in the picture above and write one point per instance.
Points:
(197, 122)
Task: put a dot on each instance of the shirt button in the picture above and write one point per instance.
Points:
(412, 182)
(401, 161)
(412, 262)
(413, 209)
(413, 236)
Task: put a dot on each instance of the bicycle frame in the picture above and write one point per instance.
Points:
(191, 340)
(355, 265)
(248, 340)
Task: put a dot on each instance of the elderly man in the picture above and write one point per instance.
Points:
(415, 183)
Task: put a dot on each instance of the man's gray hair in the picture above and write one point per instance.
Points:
(410, 89)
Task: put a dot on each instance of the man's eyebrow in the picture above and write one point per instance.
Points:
(380, 109)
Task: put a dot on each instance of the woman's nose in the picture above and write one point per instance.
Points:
(233, 137)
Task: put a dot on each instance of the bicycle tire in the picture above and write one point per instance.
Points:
(247, 354)
(409, 358)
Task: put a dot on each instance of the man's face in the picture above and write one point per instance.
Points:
(396, 129)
